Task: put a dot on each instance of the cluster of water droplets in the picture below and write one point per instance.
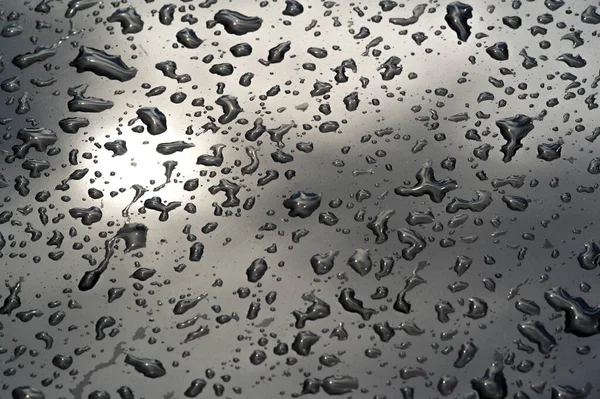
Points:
(289, 198)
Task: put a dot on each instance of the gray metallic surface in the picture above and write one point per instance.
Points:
(237, 241)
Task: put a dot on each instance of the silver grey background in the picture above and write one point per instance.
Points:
(167, 245)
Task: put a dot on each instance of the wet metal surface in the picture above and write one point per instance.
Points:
(268, 199)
